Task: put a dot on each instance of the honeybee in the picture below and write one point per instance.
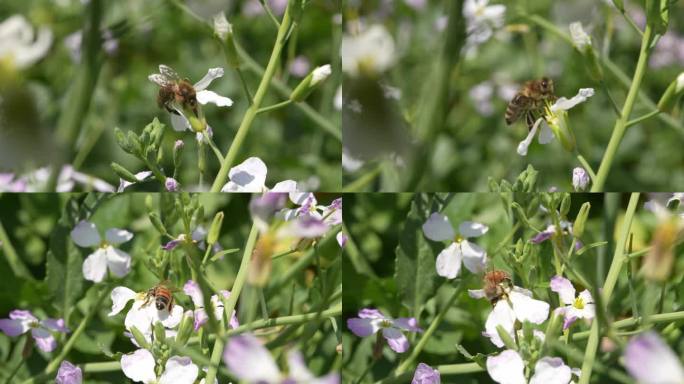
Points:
(529, 101)
(162, 295)
(496, 284)
(173, 89)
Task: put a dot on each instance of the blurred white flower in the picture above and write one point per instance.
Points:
(481, 96)
(139, 367)
(221, 26)
(36, 181)
(300, 66)
(579, 38)
(20, 45)
(508, 368)
(105, 256)
(650, 361)
(140, 176)
(250, 176)
(482, 20)
(680, 83)
(368, 53)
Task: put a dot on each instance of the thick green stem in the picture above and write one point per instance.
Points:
(621, 123)
(232, 301)
(428, 333)
(251, 113)
(608, 286)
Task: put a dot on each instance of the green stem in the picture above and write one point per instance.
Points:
(273, 107)
(281, 254)
(106, 366)
(214, 148)
(363, 181)
(232, 301)
(428, 333)
(587, 167)
(285, 320)
(245, 88)
(621, 123)
(609, 285)
(267, 8)
(642, 118)
(251, 113)
(13, 259)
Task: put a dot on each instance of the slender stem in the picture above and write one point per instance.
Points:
(363, 181)
(274, 106)
(587, 167)
(609, 285)
(214, 148)
(286, 320)
(105, 366)
(232, 301)
(270, 13)
(428, 333)
(621, 123)
(245, 88)
(642, 118)
(13, 259)
(281, 254)
(251, 113)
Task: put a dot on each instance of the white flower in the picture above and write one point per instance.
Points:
(140, 176)
(221, 26)
(105, 256)
(508, 368)
(580, 307)
(680, 83)
(554, 113)
(369, 53)
(481, 20)
(580, 179)
(438, 228)
(579, 38)
(36, 181)
(649, 360)
(250, 176)
(204, 96)
(139, 367)
(143, 314)
(517, 304)
(193, 290)
(320, 73)
(17, 41)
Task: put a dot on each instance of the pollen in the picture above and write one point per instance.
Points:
(458, 238)
(579, 303)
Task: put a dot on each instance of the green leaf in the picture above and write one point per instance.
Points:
(64, 275)
(415, 259)
(218, 255)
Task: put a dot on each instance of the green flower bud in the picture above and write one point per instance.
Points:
(673, 92)
(185, 328)
(565, 205)
(139, 338)
(506, 338)
(215, 229)
(224, 32)
(159, 332)
(310, 82)
(580, 220)
(124, 173)
(157, 223)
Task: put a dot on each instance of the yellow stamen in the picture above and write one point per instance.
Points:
(579, 303)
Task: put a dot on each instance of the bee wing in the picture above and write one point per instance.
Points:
(167, 71)
(161, 80)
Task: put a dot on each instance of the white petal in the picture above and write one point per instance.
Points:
(438, 228)
(118, 261)
(299, 372)
(85, 234)
(204, 97)
(120, 297)
(506, 368)
(472, 229)
(545, 134)
(249, 361)
(179, 370)
(579, 38)
(179, 122)
(650, 361)
(586, 296)
(527, 308)
(285, 186)
(551, 370)
(170, 320)
(474, 257)
(564, 288)
(95, 266)
(320, 73)
(299, 198)
(502, 315)
(523, 145)
(192, 289)
(249, 176)
(116, 236)
(448, 262)
(680, 83)
(565, 104)
(212, 73)
(139, 366)
(139, 316)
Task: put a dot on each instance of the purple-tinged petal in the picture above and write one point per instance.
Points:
(341, 239)
(408, 324)
(438, 228)
(200, 318)
(506, 368)
(139, 366)
(371, 313)
(179, 370)
(564, 288)
(173, 243)
(248, 360)
(425, 374)
(363, 327)
(68, 374)
(44, 339)
(396, 340)
(542, 236)
(117, 236)
(85, 234)
(650, 361)
(192, 289)
(12, 327)
(472, 229)
(569, 320)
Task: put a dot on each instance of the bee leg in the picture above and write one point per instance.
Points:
(529, 118)
(170, 307)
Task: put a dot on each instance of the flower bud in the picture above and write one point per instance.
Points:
(177, 152)
(672, 94)
(310, 82)
(171, 184)
(224, 31)
(565, 204)
(157, 223)
(215, 229)
(185, 328)
(659, 261)
(580, 220)
(159, 332)
(506, 338)
(580, 179)
(124, 173)
(139, 338)
(582, 42)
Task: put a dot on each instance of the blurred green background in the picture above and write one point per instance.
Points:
(471, 142)
(140, 35)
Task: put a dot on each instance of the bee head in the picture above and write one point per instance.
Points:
(546, 85)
